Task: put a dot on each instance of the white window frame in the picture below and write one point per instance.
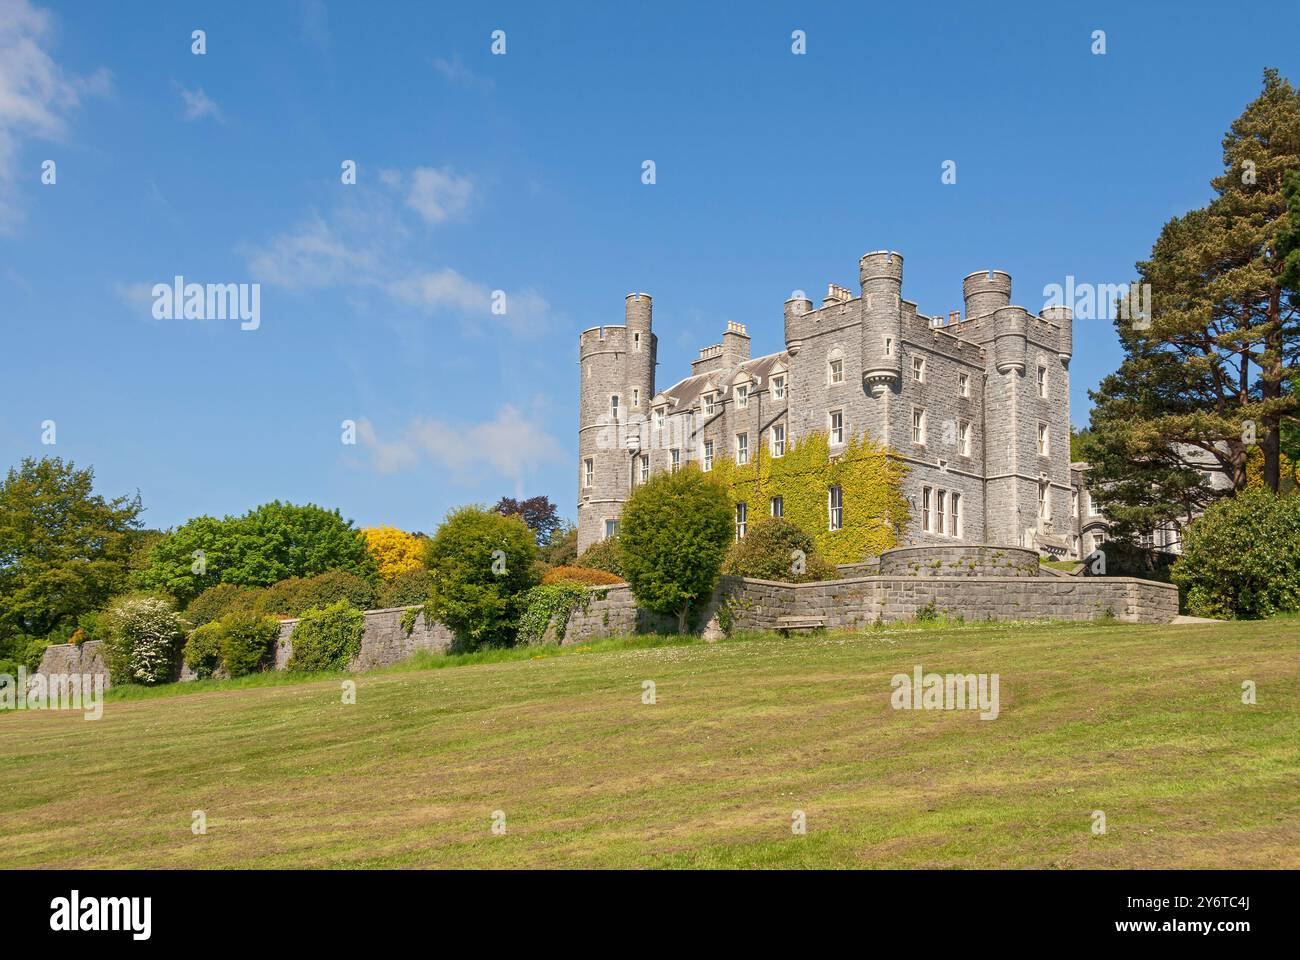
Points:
(675, 457)
(742, 519)
(778, 387)
(927, 498)
(777, 506)
(778, 441)
(963, 384)
(963, 436)
(742, 395)
(918, 369)
(1074, 502)
(708, 404)
(940, 509)
(588, 473)
(918, 426)
(1042, 381)
(954, 514)
(1044, 440)
(708, 455)
(835, 370)
(835, 508)
(611, 528)
(835, 427)
(742, 448)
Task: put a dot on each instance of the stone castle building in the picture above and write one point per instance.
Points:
(976, 404)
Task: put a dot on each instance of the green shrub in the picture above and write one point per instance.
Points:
(675, 531)
(603, 555)
(142, 639)
(289, 598)
(202, 651)
(771, 551)
(10, 667)
(406, 589)
(247, 642)
(1241, 559)
(327, 639)
(217, 601)
(547, 604)
(483, 564)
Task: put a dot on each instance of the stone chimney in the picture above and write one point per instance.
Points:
(735, 345)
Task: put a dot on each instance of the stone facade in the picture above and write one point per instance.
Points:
(974, 560)
(975, 404)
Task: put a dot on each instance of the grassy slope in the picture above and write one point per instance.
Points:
(1145, 723)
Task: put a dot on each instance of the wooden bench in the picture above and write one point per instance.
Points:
(788, 625)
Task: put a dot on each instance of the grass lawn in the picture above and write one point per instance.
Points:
(1144, 723)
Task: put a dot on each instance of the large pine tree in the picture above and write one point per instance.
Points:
(1208, 373)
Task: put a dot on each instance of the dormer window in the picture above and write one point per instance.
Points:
(708, 404)
(778, 388)
(659, 418)
(742, 395)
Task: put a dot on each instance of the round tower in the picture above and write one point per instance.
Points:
(1063, 317)
(881, 275)
(795, 308)
(985, 291)
(1011, 326)
(642, 347)
(604, 462)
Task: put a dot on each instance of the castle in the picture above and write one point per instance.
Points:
(976, 405)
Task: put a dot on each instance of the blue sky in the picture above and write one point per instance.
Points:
(522, 172)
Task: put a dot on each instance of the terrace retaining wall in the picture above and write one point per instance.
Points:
(744, 604)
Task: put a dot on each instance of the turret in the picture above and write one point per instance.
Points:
(1063, 317)
(985, 291)
(1011, 327)
(795, 309)
(881, 275)
(642, 347)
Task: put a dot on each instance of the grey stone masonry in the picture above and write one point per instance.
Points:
(974, 560)
(976, 406)
(857, 602)
(384, 642)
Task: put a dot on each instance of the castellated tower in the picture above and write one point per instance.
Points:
(881, 276)
(1026, 411)
(617, 370)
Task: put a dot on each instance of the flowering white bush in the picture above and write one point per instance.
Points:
(141, 638)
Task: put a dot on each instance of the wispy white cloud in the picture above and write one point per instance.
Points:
(436, 195)
(363, 246)
(511, 444)
(199, 105)
(314, 19)
(456, 73)
(36, 94)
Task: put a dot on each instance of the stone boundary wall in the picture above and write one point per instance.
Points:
(959, 560)
(757, 605)
(384, 641)
(860, 601)
(71, 658)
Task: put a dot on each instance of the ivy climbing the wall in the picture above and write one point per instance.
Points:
(874, 512)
